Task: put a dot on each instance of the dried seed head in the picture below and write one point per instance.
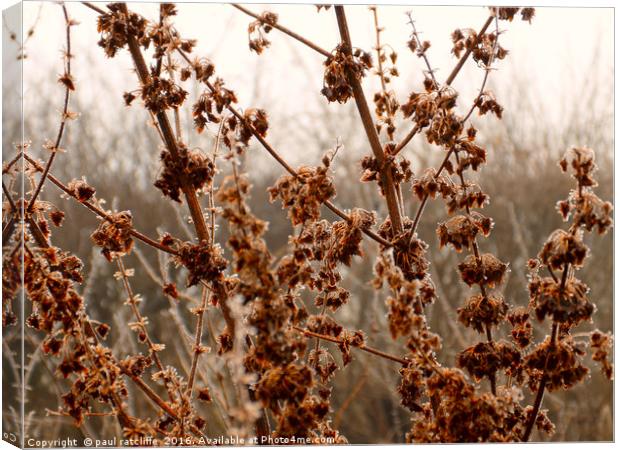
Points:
(581, 161)
(191, 165)
(258, 29)
(304, 194)
(487, 271)
(339, 66)
(114, 236)
(459, 231)
(567, 304)
(480, 312)
(203, 262)
(81, 190)
(563, 248)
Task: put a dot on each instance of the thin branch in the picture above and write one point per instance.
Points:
(421, 51)
(362, 347)
(198, 341)
(157, 400)
(9, 198)
(133, 304)
(56, 148)
(101, 213)
(352, 395)
(402, 144)
(7, 167)
(7, 231)
(387, 181)
(94, 8)
(461, 62)
(285, 30)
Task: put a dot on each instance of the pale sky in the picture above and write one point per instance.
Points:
(554, 54)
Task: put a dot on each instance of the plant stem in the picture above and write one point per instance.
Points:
(101, 213)
(284, 30)
(387, 181)
(537, 404)
(197, 341)
(65, 111)
(157, 400)
(169, 139)
(461, 62)
(131, 300)
(363, 347)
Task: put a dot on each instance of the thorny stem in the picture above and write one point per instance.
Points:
(363, 347)
(101, 213)
(285, 30)
(55, 149)
(131, 300)
(387, 181)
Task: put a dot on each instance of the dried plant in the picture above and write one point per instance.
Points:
(280, 311)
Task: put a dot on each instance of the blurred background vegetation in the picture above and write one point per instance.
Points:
(117, 151)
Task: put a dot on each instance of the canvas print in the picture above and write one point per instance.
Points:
(275, 224)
